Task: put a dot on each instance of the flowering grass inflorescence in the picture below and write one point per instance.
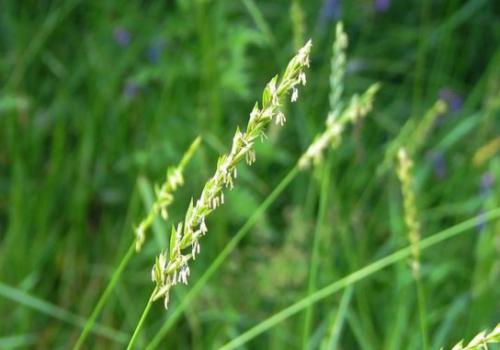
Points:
(357, 108)
(171, 267)
(338, 117)
(405, 165)
(481, 340)
(164, 195)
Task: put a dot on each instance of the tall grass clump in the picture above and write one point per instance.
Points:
(405, 165)
(164, 198)
(329, 137)
(335, 123)
(172, 266)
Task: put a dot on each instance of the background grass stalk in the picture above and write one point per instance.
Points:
(405, 175)
(57, 312)
(356, 276)
(313, 267)
(105, 295)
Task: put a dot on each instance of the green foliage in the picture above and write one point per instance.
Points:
(98, 98)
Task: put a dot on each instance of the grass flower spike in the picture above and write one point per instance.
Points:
(337, 74)
(172, 266)
(338, 117)
(405, 165)
(358, 107)
(481, 341)
(164, 195)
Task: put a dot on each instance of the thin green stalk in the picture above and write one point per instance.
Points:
(104, 296)
(201, 282)
(139, 325)
(422, 313)
(331, 341)
(57, 312)
(356, 277)
(313, 269)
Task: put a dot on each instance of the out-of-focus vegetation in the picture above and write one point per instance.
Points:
(99, 98)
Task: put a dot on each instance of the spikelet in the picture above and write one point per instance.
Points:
(405, 165)
(172, 267)
(358, 107)
(338, 117)
(164, 195)
(337, 72)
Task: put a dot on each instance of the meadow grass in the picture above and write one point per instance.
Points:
(96, 98)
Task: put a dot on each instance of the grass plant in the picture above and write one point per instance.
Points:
(327, 236)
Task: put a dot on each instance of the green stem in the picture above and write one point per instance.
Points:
(313, 269)
(356, 277)
(221, 257)
(104, 297)
(422, 312)
(141, 322)
(19, 296)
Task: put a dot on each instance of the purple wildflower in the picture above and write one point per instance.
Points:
(121, 36)
(155, 51)
(438, 164)
(481, 222)
(131, 90)
(452, 99)
(381, 5)
(331, 10)
(486, 184)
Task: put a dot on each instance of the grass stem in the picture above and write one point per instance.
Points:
(138, 328)
(356, 277)
(104, 296)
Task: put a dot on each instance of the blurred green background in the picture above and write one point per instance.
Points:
(98, 97)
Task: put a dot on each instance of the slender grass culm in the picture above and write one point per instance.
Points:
(481, 340)
(404, 171)
(337, 73)
(171, 267)
(164, 198)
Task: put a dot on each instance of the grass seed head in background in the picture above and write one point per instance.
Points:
(337, 118)
(358, 107)
(405, 165)
(164, 195)
(337, 73)
(171, 266)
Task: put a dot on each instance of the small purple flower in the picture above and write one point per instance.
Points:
(381, 5)
(481, 222)
(121, 36)
(452, 99)
(155, 51)
(438, 164)
(131, 90)
(486, 184)
(331, 10)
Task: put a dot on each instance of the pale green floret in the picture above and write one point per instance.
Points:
(164, 195)
(405, 165)
(358, 107)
